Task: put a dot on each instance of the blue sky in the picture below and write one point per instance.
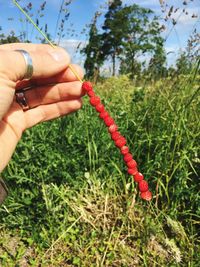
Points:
(82, 11)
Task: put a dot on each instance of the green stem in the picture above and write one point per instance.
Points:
(30, 19)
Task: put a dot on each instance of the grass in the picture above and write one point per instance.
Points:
(71, 202)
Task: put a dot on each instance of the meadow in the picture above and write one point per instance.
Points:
(71, 202)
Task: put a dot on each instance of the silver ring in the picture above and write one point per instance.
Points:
(21, 99)
(29, 63)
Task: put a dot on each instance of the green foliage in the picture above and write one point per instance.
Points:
(114, 28)
(183, 64)
(11, 38)
(92, 51)
(128, 32)
(142, 37)
(71, 202)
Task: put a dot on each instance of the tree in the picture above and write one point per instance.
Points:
(157, 63)
(92, 51)
(125, 67)
(143, 36)
(11, 38)
(129, 32)
(114, 30)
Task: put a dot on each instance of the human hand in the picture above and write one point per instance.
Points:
(54, 91)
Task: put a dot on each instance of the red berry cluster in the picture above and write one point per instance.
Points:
(119, 140)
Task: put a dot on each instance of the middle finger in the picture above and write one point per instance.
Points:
(53, 93)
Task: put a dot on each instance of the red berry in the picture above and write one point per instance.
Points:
(124, 150)
(91, 93)
(103, 114)
(113, 128)
(132, 171)
(143, 186)
(138, 177)
(108, 121)
(95, 100)
(120, 142)
(115, 136)
(128, 157)
(131, 164)
(87, 86)
(100, 107)
(146, 195)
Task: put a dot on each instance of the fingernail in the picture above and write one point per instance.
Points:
(59, 55)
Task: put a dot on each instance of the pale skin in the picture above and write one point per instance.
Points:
(55, 91)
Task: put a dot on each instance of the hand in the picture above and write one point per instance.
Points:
(55, 91)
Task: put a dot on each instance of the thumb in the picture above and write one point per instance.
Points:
(47, 62)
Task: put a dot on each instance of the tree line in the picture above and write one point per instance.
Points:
(129, 36)
(129, 39)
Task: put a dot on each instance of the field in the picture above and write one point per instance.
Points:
(71, 202)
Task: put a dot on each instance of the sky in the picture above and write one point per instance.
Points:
(82, 12)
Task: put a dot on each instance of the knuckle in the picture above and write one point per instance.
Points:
(79, 104)
(76, 105)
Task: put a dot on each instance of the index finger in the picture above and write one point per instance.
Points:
(66, 75)
(47, 61)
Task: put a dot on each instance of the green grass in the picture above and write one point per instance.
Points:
(71, 202)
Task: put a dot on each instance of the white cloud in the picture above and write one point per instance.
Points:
(73, 44)
(171, 48)
(173, 51)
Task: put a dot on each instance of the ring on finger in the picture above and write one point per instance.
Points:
(21, 98)
(29, 63)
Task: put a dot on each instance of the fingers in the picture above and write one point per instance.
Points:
(65, 76)
(16, 121)
(44, 95)
(51, 111)
(19, 121)
(47, 61)
(6, 98)
(27, 46)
